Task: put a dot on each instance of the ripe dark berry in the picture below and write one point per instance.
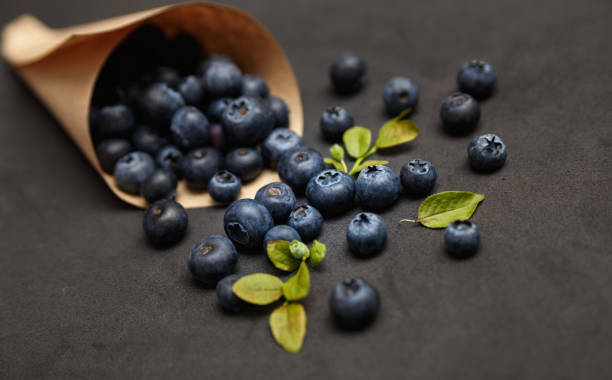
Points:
(476, 78)
(222, 79)
(400, 94)
(189, 128)
(168, 76)
(460, 114)
(307, 221)
(247, 121)
(147, 140)
(377, 187)
(280, 109)
(224, 186)
(278, 142)
(281, 232)
(212, 258)
(297, 166)
(354, 303)
(109, 151)
(159, 103)
(366, 234)
(348, 73)
(171, 158)
(462, 238)
(161, 184)
(215, 109)
(165, 222)
(487, 153)
(199, 165)
(278, 198)
(334, 122)
(246, 163)
(246, 222)
(191, 90)
(113, 122)
(418, 177)
(331, 191)
(131, 171)
(226, 297)
(252, 85)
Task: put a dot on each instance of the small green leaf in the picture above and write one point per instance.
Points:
(288, 325)
(331, 161)
(356, 169)
(337, 152)
(298, 250)
(280, 256)
(259, 288)
(439, 210)
(397, 131)
(297, 287)
(317, 253)
(357, 141)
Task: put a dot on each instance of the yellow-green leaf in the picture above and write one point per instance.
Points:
(317, 253)
(397, 131)
(280, 255)
(288, 325)
(297, 287)
(331, 161)
(258, 288)
(337, 152)
(357, 141)
(439, 210)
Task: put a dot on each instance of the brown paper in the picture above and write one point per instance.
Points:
(61, 67)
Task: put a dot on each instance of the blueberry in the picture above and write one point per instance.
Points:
(190, 128)
(366, 234)
(224, 186)
(418, 177)
(113, 122)
(298, 165)
(109, 151)
(199, 165)
(477, 78)
(334, 122)
(161, 184)
(278, 142)
(331, 191)
(378, 187)
(246, 222)
(159, 103)
(165, 222)
(400, 94)
(147, 140)
(246, 163)
(222, 79)
(252, 85)
(191, 90)
(215, 109)
(278, 198)
(347, 73)
(131, 170)
(212, 258)
(354, 303)
(281, 232)
(168, 76)
(226, 297)
(459, 113)
(211, 60)
(307, 221)
(462, 238)
(217, 137)
(247, 121)
(487, 153)
(170, 157)
(280, 109)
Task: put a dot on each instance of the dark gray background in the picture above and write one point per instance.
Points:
(83, 295)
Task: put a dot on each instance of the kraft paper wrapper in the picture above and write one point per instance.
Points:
(61, 67)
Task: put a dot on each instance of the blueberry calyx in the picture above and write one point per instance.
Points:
(418, 166)
(224, 176)
(302, 156)
(301, 211)
(350, 285)
(328, 178)
(274, 191)
(372, 169)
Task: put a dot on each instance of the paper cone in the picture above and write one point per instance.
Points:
(61, 67)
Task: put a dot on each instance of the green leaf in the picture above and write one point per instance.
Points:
(356, 169)
(259, 288)
(317, 253)
(288, 325)
(280, 256)
(439, 210)
(299, 250)
(297, 287)
(331, 161)
(357, 141)
(397, 131)
(337, 152)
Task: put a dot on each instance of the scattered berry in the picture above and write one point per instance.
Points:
(487, 153)
(331, 191)
(476, 78)
(418, 177)
(400, 94)
(462, 238)
(165, 222)
(460, 114)
(297, 166)
(354, 303)
(278, 198)
(307, 221)
(224, 186)
(377, 187)
(347, 73)
(246, 222)
(212, 258)
(366, 234)
(334, 122)
(281, 232)
(226, 297)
